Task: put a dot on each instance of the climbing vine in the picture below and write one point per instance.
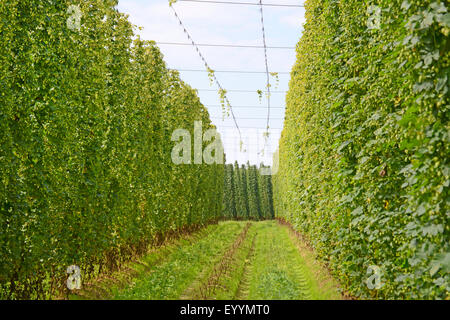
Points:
(364, 155)
(86, 119)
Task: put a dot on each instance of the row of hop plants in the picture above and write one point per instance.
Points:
(86, 118)
(247, 193)
(364, 154)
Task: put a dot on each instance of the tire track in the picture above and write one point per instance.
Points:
(244, 284)
(204, 289)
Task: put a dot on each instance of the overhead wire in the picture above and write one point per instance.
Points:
(245, 3)
(252, 107)
(212, 73)
(242, 91)
(227, 71)
(207, 68)
(266, 62)
(223, 45)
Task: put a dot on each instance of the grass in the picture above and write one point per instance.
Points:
(166, 271)
(322, 284)
(222, 281)
(169, 279)
(277, 270)
(226, 261)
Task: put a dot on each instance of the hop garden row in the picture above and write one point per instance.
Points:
(86, 120)
(247, 193)
(364, 155)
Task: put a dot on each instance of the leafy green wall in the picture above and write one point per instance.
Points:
(364, 154)
(86, 118)
(247, 193)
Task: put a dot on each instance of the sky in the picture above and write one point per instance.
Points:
(210, 23)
